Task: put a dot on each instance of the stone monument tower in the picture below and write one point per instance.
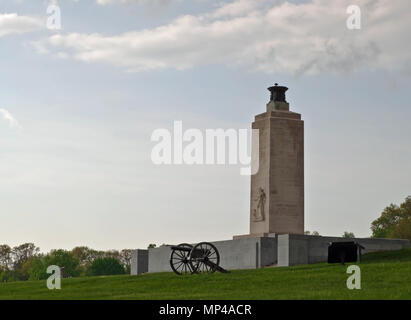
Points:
(277, 189)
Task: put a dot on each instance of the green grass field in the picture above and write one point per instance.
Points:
(384, 275)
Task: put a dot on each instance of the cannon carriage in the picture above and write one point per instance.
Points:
(201, 258)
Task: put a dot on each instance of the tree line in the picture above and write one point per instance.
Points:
(25, 262)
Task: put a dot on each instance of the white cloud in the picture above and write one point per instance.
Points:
(9, 118)
(237, 8)
(13, 23)
(261, 34)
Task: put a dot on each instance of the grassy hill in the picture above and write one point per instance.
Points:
(385, 275)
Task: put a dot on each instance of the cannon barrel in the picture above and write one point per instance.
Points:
(185, 249)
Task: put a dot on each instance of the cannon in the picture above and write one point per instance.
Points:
(201, 258)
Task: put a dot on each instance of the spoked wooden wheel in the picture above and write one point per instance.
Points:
(204, 257)
(179, 260)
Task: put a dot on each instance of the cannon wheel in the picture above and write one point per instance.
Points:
(179, 260)
(200, 254)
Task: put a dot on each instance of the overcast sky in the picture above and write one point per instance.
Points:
(78, 107)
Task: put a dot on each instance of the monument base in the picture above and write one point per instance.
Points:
(252, 251)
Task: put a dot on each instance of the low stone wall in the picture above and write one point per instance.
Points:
(159, 259)
(304, 249)
(248, 253)
(258, 252)
(139, 261)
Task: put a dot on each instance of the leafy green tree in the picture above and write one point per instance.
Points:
(35, 268)
(5, 256)
(348, 234)
(125, 259)
(394, 222)
(105, 266)
(83, 254)
(21, 254)
(403, 229)
(113, 254)
(6, 275)
(63, 258)
(384, 225)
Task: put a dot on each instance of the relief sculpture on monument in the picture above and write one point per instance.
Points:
(258, 214)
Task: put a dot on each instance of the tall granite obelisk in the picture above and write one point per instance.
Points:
(277, 189)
